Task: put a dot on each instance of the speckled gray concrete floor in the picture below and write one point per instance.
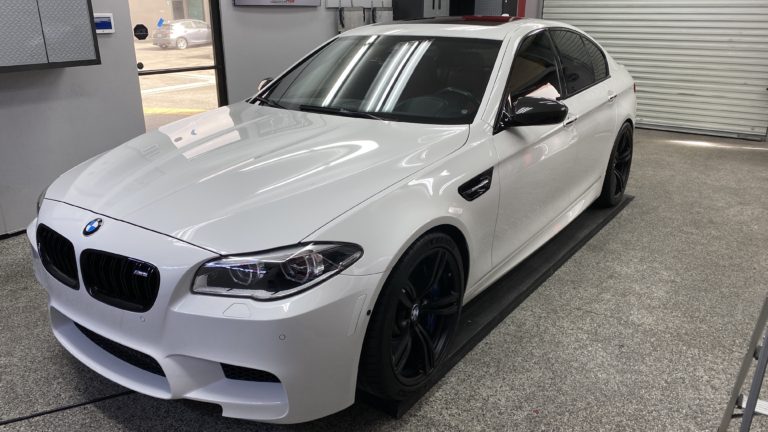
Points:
(643, 329)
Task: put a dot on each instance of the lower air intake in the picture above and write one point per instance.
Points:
(240, 373)
(128, 355)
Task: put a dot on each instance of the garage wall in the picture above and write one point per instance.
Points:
(262, 41)
(700, 65)
(51, 120)
(533, 8)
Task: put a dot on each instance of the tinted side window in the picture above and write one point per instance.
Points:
(534, 67)
(578, 69)
(597, 57)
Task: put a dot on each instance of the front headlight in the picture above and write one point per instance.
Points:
(275, 274)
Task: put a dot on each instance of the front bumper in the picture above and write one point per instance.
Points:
(310, 342)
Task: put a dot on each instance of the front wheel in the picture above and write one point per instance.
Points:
(617, 172)
(181, 43)
(414, 320)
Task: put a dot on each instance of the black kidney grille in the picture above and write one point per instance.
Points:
(119, 281)
(246, 374)
(128, 355)
(58, 256)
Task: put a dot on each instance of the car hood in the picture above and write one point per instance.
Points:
(244, 177)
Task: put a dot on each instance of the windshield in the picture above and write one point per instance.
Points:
(437, 80)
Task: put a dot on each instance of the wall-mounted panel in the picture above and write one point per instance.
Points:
(36, 34)
(22, 34)
(68, 30)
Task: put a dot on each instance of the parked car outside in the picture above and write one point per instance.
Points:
(182, 34)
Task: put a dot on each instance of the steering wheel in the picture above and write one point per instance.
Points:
(461, 92)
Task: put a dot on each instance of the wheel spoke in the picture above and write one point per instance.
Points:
(448, 305)
(402, 351)
(625, 156)
(439, 267)
(408, 296)
(619, 180)
(427, 346)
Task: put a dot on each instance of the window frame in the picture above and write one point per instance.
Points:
(560, 61)
(558, 64)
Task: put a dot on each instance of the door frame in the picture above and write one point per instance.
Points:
(218, 57)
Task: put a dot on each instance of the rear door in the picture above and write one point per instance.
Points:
(591, 106)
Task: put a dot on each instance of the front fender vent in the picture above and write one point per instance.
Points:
(477, 185)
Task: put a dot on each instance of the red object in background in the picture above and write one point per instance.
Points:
(521, 8)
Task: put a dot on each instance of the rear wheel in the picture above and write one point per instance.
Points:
(415, 318)
(617, 172)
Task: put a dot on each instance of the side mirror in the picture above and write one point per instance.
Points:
(265, 82)
(531, 111)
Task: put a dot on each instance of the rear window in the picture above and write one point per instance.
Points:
(578, 66)
(599, 63)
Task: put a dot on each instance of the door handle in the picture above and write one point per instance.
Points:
(570, 121)
(611, 97)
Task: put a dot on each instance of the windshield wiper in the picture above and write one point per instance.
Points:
(339, 111)
(267, 101)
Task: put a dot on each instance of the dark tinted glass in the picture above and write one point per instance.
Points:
(597, 57)
(578, 69)
(533, 68)
(404, 78)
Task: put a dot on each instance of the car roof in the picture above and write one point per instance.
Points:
(483, 27)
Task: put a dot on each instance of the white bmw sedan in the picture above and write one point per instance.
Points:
(274, 255)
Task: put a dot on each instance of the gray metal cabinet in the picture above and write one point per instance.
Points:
(410, 9)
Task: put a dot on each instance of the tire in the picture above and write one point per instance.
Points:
(617, 172)
(395, 361)
(181, 43)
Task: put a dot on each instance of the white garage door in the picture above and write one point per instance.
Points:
(700, 65)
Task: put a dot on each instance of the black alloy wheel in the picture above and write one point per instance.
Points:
(415, 318)
(617, 174)
(426, 316)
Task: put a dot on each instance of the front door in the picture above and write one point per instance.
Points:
(536, 163)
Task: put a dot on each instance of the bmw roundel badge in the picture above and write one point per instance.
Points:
(92, 226)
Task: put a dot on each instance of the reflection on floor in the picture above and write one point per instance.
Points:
(643, 329)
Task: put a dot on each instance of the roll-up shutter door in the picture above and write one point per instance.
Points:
(700, 66)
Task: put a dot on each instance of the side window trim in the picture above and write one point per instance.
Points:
(507, 83)
(559, 62)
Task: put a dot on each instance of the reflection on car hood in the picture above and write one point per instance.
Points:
(246, 177)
